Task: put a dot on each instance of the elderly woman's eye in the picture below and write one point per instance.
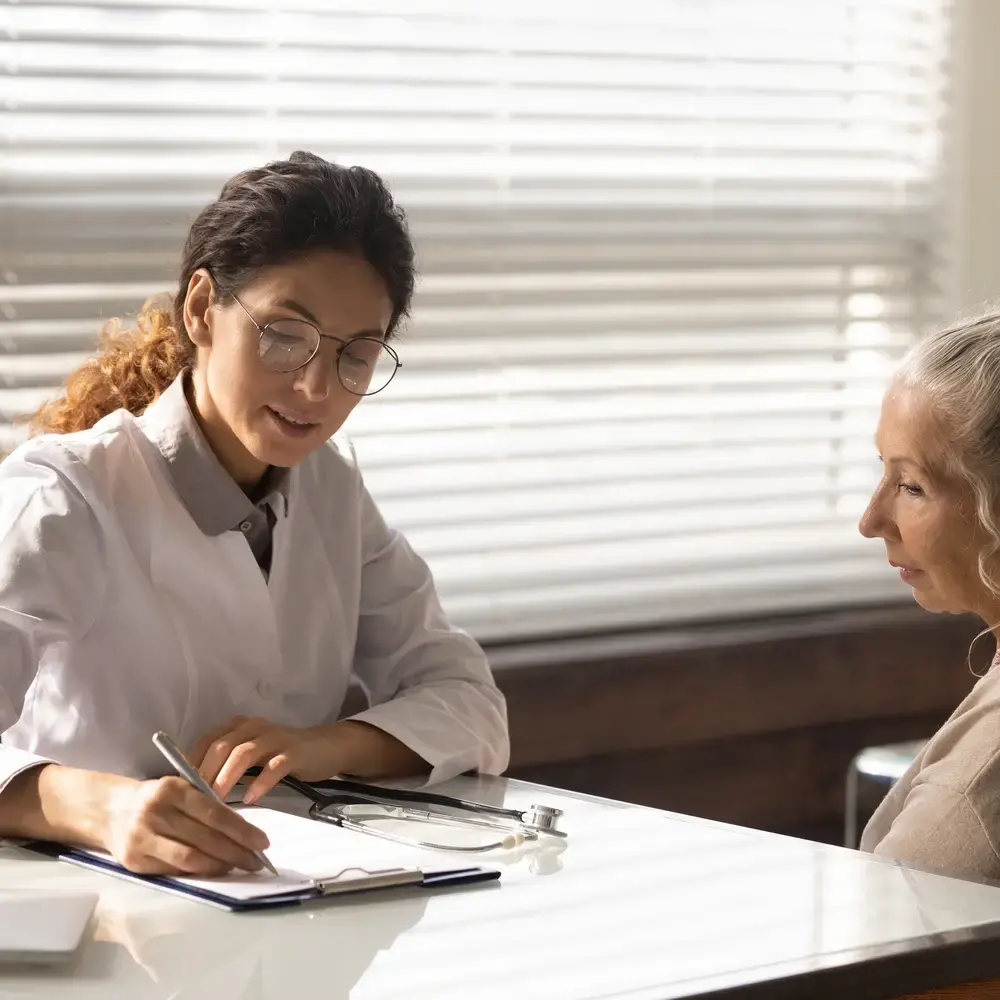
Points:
(912, 488)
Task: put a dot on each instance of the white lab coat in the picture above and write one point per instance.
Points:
(121, 617)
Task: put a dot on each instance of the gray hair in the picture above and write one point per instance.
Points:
(958, 371)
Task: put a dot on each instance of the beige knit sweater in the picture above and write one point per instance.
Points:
(944, 813)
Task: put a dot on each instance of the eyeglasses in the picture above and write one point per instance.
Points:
(364, 365)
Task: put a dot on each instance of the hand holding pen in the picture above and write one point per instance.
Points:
(162, 826)
(180, 763)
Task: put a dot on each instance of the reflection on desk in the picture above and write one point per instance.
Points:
(636, 903)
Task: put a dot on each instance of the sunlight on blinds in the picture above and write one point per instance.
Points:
(669, 253)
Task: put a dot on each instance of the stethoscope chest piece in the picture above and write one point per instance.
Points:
(544, 819)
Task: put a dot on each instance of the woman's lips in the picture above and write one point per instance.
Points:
(289, 423)
(906, 573)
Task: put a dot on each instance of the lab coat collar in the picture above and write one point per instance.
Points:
(211, 495)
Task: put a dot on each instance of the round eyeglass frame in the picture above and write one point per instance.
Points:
(320, 337)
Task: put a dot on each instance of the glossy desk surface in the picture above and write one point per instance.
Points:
(637, 903)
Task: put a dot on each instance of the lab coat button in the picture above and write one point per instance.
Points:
(265, 689)
(245, 526)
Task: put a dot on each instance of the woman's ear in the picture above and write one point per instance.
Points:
(197, 303)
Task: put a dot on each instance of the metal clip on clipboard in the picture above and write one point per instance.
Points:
(378, 878)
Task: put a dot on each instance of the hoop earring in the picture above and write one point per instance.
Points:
(968, 656)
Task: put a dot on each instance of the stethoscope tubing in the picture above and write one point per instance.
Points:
(390, 796)
(330, 797)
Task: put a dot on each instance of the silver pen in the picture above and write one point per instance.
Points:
(189, 772)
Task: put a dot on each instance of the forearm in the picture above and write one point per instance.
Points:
(52, 802)
(370, 752)
(456, 725)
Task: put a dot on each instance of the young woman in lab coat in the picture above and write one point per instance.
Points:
(184, 548)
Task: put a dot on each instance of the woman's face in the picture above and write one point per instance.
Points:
(924, 514)
(254, 417)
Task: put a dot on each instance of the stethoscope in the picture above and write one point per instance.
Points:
(343, 803)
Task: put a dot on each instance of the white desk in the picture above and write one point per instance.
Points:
(638, 904)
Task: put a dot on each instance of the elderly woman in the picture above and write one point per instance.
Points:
(937, 509)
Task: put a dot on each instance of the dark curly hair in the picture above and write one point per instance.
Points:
(262, 217)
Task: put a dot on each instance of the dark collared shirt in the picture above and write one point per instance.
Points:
(212, 496)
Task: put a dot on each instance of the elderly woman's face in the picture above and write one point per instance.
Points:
(926, 516)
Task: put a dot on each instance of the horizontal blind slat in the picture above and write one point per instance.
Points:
(668, 260)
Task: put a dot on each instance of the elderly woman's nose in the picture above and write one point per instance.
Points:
(873, 520)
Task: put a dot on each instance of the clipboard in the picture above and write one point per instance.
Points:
(325, 876)
(364, 881)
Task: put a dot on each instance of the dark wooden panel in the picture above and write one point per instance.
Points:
(904, 664)
(790, 781)
(750, 723)
(968, 991)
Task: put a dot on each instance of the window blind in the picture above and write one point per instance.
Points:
(669, 253)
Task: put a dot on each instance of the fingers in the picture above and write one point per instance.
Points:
(205, 842)
(254, 751)
(221, 748)
(174, 828)
(200, 750)
(159, 855)
(270, 774)
(279, 750)
(223, 820)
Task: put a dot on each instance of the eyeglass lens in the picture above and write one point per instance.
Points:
(364, 365)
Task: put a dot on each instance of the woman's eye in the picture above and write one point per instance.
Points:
(912, 489)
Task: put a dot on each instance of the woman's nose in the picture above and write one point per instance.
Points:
(315, 380)
(875, 521)
(867, 524)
